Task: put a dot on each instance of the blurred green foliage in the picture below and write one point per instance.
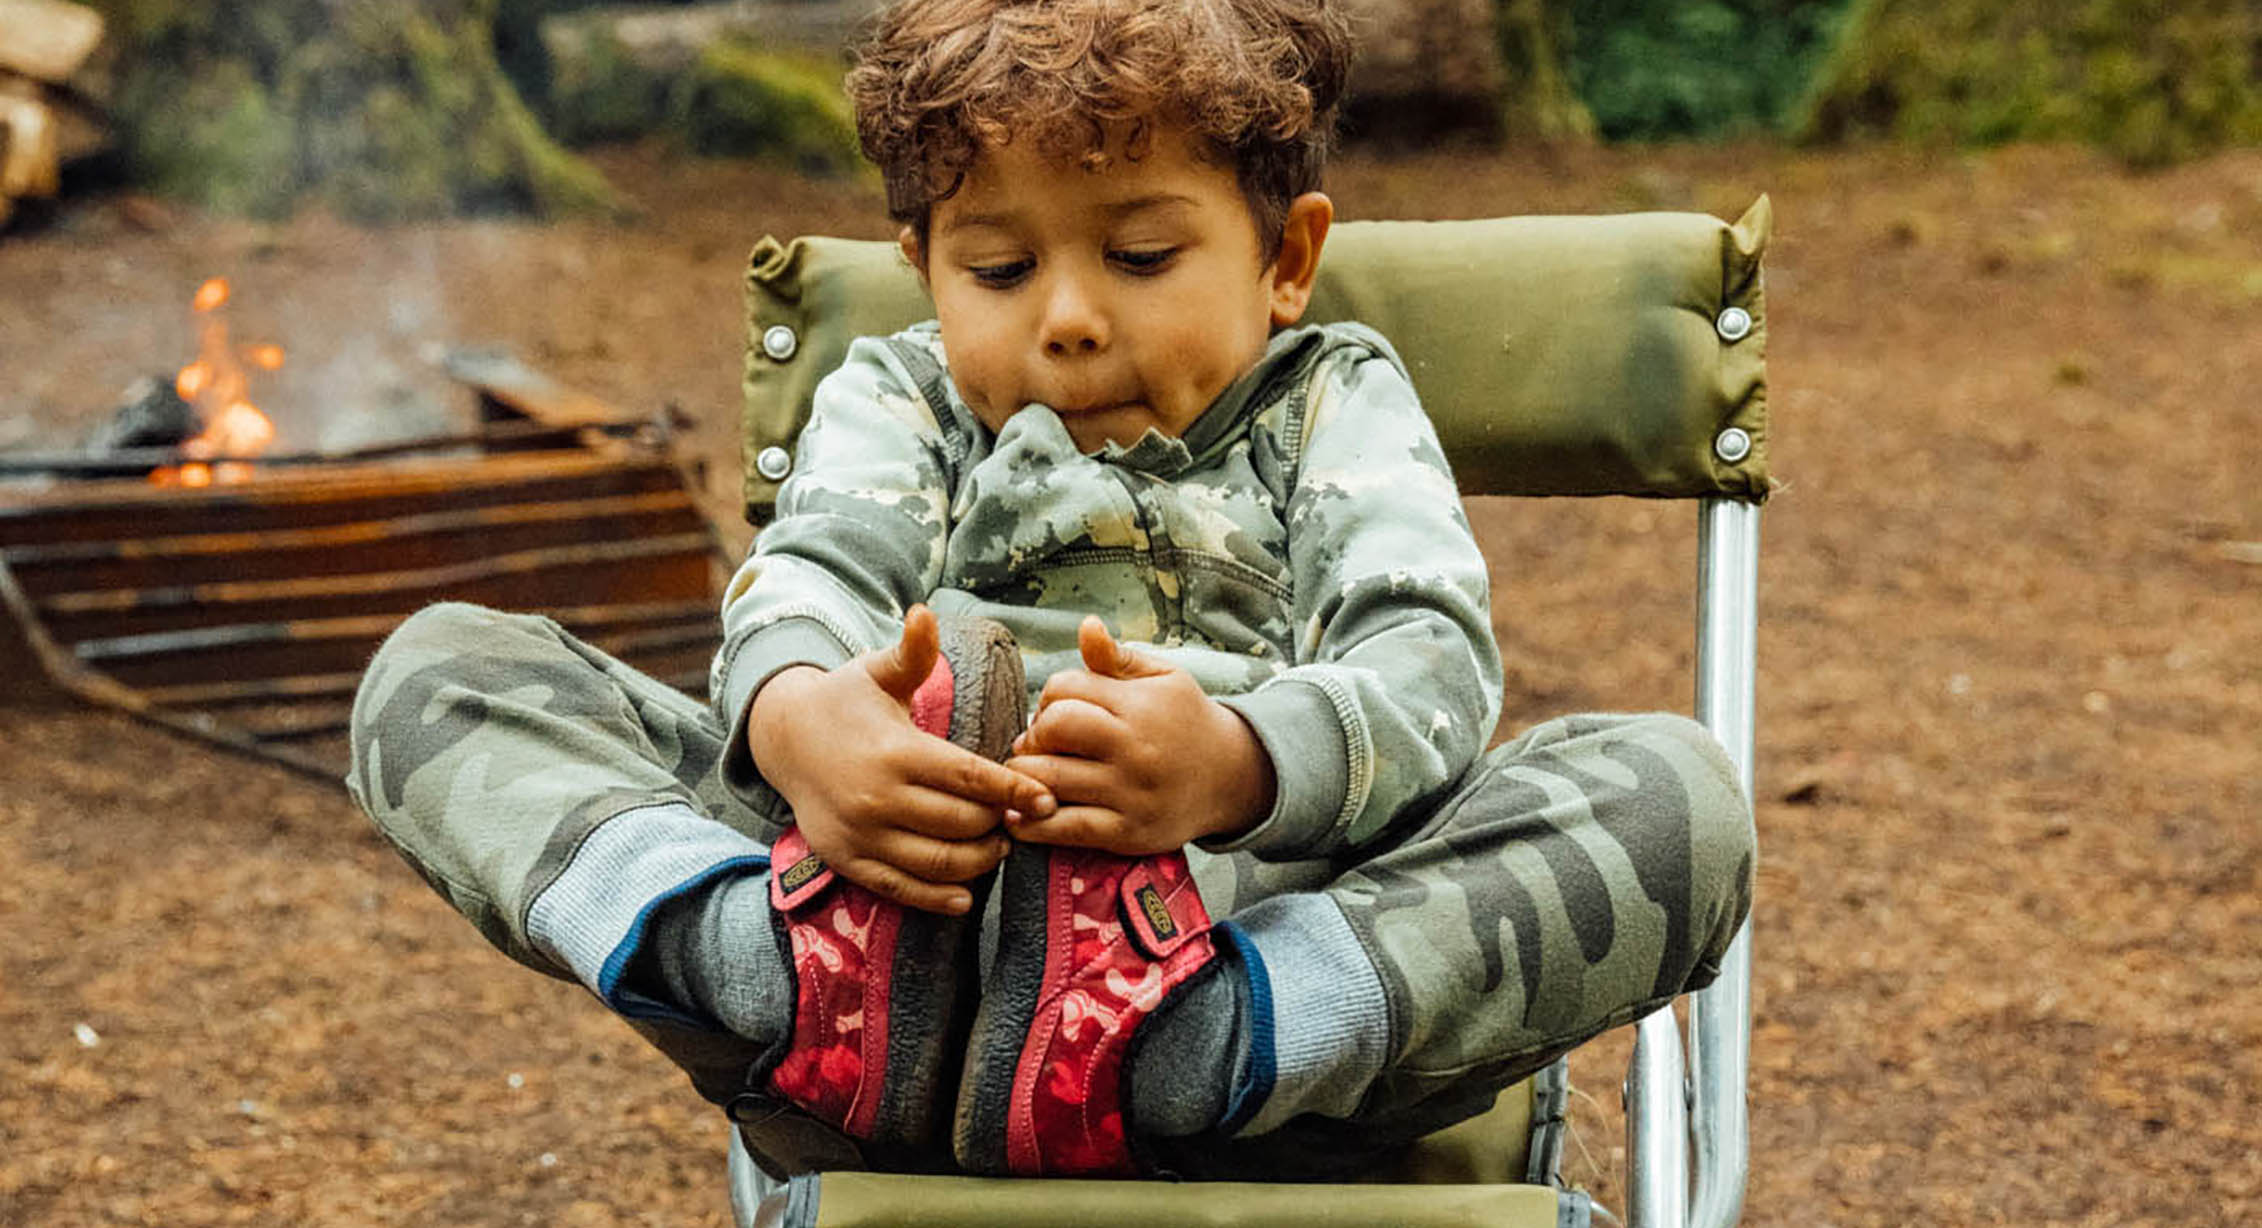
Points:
(397, 108)
(741, 101)
(2152, 82)
(1539, 101)
(733, 100)
(383, 108)
(1653, 69)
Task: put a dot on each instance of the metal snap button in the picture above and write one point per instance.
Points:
(1733, 325)
(1732, 445)
(779, 342)
(773, 462)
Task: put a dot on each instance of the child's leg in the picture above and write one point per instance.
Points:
(573, 810)
(485, 743)
(550, 794)
(1582, 876)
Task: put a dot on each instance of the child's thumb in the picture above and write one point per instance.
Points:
(1105, 656)
(899, 670)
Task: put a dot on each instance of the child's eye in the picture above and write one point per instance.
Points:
(1002, 276)
(1150, 260)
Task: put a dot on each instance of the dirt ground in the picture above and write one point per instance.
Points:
(2008, 927)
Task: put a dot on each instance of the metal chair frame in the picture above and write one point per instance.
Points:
(1678, 1105)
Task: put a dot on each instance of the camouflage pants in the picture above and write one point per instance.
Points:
(1578, 877)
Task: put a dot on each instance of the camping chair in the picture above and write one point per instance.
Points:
(1557, 356)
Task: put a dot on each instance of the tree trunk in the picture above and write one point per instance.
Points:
(1537, 102)
(383, 108)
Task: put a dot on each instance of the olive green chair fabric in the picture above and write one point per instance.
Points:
(874, 1200)
(1556, 355)
(1499, 1169)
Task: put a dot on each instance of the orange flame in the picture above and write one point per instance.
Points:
(217, 386)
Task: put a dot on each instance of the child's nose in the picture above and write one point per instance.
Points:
(1074, 322)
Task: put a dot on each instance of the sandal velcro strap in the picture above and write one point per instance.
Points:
(797, 875)
(1159, 923)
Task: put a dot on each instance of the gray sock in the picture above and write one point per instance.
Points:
(1192, 1056)
(712, 952)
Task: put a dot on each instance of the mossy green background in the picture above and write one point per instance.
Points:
(402, 108)
(383, 108)
(734, 100)
(2152, 82)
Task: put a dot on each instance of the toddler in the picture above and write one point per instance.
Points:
(1094, 781)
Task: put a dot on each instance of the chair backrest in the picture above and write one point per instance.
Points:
(1556, 355)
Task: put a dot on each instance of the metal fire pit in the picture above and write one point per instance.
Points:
(244, 614)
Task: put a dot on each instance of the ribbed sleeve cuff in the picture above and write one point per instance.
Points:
(1303, 732)
(1329, 1031)
(597, 911)
(740, 673)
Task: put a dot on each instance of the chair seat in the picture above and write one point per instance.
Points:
(1476, 1172)
(876, 1200)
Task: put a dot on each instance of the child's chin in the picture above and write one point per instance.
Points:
(1122, 426)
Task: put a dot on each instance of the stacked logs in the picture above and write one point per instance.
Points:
(50, 110)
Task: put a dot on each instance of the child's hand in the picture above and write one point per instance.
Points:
(889, 805)
(1140, 759)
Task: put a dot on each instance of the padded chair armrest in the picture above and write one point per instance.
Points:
(1557, 355)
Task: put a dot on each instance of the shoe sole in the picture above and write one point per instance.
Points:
(1001, 1021)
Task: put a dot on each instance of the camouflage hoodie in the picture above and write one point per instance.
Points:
(1301, 550)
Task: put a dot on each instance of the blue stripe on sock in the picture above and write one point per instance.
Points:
(1254, 1086)
(637, 1006)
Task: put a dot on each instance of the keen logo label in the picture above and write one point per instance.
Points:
(1158, 915)
(800, 872)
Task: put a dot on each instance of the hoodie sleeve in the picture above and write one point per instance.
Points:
(858, 540)
(1396, 683)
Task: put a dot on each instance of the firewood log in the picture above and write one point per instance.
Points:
(30, 160)
(47, 40)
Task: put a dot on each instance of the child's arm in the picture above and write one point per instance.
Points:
(824, 640)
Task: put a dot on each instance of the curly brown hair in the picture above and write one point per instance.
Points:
(1255, 82)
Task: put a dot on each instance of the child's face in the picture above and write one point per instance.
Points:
(1122, 298)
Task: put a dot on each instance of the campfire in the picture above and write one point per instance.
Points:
(218, 388)
(180, 571)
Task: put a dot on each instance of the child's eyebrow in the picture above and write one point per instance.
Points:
(1139, 204)
(1116, 210)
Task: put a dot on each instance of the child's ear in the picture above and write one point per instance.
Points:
(907, 239)
(1301, 239)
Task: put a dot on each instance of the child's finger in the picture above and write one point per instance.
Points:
(1112, 694)
(944, 816)
(1074, 727)
(954, 770)
(901, 668)
(938, 861)
(891, 883)
(1093, 827)
(1074, 781)
(1103, 655)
